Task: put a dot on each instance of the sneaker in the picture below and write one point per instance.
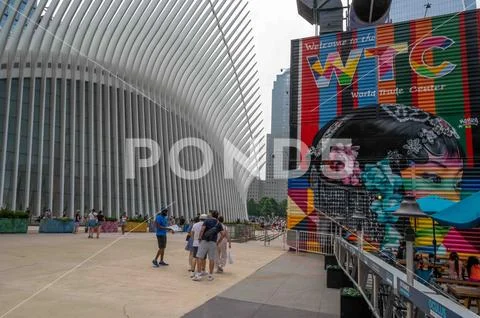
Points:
(163, 263)
(155, 263)
(197, 278)
(210, 277)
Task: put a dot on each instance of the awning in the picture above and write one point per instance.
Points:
(462, 215)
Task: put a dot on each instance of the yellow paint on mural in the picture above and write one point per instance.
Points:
(310, 204)
(295, 215)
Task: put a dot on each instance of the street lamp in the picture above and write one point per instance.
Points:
(409, 208)
(360, 232)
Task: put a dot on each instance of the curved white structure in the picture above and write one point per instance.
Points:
(78, 78)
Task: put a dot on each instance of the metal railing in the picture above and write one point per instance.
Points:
(241, 232)
(385, 287)
(311, 242)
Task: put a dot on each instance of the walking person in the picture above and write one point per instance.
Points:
(92, 222)
(161, 226)
(100, 220)
(123, 222)
(209, 238)
(78, 218)
(221, 259)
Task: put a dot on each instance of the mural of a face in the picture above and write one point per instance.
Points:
(392, 151)
(439, 176)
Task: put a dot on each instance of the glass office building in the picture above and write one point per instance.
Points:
(78, 79)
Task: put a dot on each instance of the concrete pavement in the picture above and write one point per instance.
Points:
(290, 286)
(118, 282)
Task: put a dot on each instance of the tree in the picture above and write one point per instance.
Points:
(282, 208)
(267, 207)
(252, 207)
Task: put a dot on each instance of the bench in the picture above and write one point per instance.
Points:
(466, 292)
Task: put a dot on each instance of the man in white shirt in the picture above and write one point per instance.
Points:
(195, 233)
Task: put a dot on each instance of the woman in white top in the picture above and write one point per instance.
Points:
(195, 233)
(221, 257)
(92, 223)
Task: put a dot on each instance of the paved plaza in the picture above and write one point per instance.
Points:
(118, 282)
(72, 276)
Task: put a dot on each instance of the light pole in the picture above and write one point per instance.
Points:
(360, 231)
(409, 208)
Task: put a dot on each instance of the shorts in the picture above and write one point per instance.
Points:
(195, 250)
(162, 241)
(207, 248)
(189, 245)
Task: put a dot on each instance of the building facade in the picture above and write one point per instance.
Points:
(80, 82)
(256, 190)
(275, 187)
(403, 10)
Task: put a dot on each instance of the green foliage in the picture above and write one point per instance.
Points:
(252, 207)
(334, 267)
(267, 207)
(62, 219)
(350, 292)
(9, 214)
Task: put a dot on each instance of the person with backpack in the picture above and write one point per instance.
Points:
(161, 225)
(211, 235)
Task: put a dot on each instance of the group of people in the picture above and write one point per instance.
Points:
(93, 223)
(456, 267)
(207, 237)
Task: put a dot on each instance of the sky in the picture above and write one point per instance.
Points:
(274, 23)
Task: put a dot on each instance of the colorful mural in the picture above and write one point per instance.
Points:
(386, 112)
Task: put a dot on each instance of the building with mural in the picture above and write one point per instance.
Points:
(382, 113)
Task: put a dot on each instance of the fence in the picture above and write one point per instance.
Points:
(311, 242)
(241, 232)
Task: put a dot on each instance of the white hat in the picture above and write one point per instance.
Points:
(203, 216)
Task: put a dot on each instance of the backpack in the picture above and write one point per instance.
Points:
(208, 235)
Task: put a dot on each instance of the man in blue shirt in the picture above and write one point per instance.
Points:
(161, 225)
